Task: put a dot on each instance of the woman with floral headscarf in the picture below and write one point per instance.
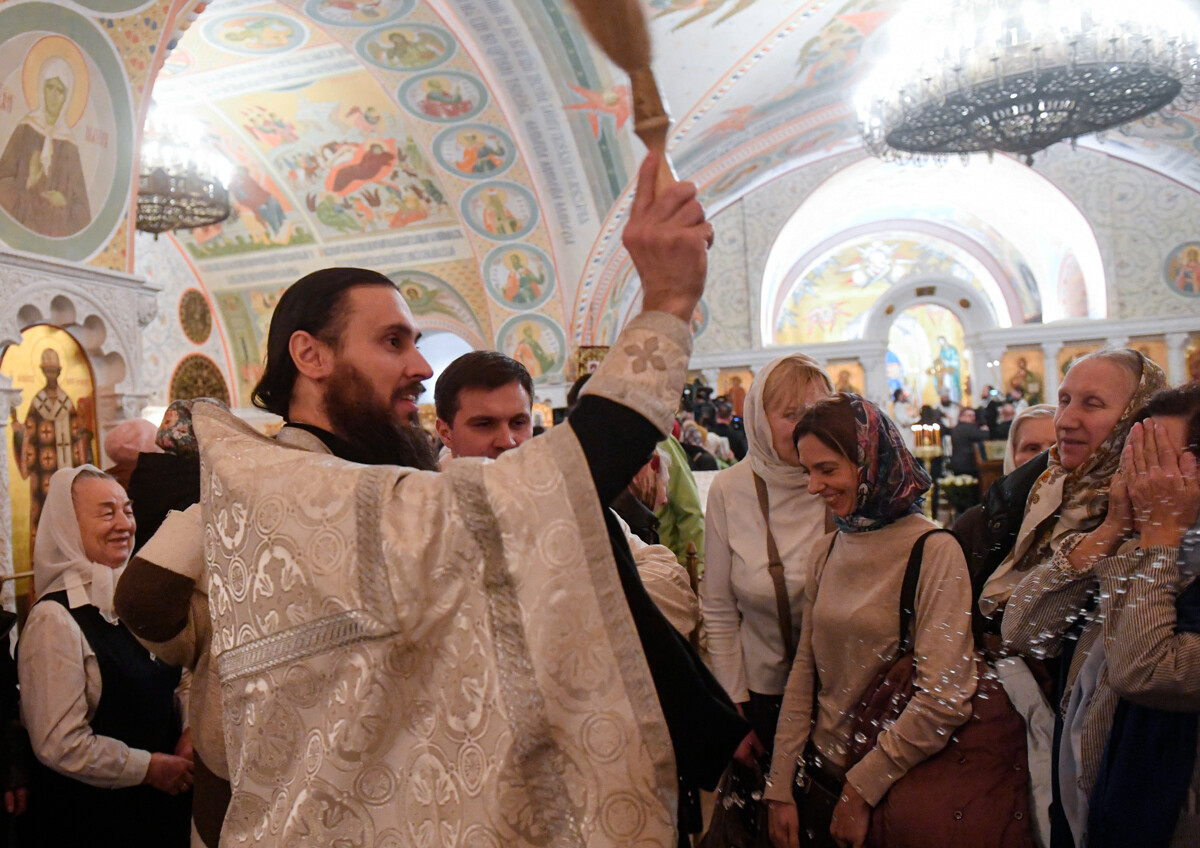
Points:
(738, 594)
(858, 464)
(1049, 579)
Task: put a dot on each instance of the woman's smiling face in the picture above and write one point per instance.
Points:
(1090, 401)
(831, 476)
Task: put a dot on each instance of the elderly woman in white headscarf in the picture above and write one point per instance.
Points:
(41, 175)
(760, 506)
(100, 710)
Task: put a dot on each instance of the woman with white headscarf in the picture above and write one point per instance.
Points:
(99, 708)
(738, 595)
(41, 175)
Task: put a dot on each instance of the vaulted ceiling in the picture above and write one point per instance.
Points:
(482, 150)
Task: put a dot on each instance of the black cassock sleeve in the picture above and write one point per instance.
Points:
(705, 726)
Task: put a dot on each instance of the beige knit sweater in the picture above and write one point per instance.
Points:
(850, 633)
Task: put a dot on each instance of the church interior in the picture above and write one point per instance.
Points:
(482, 154)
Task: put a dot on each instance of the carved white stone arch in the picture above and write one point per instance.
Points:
(105, 311)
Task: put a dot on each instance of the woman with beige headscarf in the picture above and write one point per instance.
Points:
(738, 596)
(100, 710)
(1047, 585)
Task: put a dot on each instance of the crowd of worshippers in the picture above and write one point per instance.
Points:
(336, 636)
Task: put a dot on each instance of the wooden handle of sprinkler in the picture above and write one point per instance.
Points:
(651, 122)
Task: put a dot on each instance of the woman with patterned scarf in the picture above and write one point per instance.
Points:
(1048, 580)
(857, 462)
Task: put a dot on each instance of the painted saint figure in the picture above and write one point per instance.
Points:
(530, 353)
(479, 155)
(53, 436)
(497, 218)
(523, 285)
(949, 382)
(41, 175)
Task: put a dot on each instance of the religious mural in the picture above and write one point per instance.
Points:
(847, 376)
(1182, 269)
(734, 385)
(444, 97)
(534, 341)
(53, 427)
(518, 277)
(66, 123)
(1069, 354)
(255, 34)
(411, 47)
(1153, 349)
(502, 211)
(928, 343)
(1023, 375)
(356, 13)
(828, 302)
(474, 151)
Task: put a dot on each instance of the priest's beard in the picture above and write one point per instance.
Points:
(377, 435)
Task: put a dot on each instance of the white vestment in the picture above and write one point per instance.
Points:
(415, 658)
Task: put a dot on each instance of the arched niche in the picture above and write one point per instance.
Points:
(104, 311)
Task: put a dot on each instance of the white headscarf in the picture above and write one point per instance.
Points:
(59, 562)
(761, 449)
(39, 118)
(1041, 410)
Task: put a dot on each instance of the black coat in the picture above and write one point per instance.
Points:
(988, 532)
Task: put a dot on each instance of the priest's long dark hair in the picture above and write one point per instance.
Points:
(316, 304)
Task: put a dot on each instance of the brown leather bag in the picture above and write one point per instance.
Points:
(974, 793)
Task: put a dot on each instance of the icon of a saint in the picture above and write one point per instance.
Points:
(41, 175)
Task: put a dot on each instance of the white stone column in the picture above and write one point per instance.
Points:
(874, 366)
(1050, 364)
(711, 376)
(1177, 358)
(10, 399)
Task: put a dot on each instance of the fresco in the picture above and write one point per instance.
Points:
(444, 97)
(474, 151)
(615, 102)
(1023, 374)
(1154, 349)
(1069, 353)
(53, 427)
(349, 159)
(502, 211)
(255, 34)
(536, 342)
(67, 127)
(734, 385)
(357, 13)
(1181, 272)
(518, 277)
(828, 302)
(698, 10)
(411, 47)
(847, 376)
(928, 342)
(437, 305)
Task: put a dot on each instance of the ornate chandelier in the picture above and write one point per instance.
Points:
(180, 186)
(967, 76)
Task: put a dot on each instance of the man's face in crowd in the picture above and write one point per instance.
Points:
(371, 396)
(489, 421)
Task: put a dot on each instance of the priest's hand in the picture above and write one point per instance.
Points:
(668, 239)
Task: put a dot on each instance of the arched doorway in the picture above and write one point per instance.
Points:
(927, 354)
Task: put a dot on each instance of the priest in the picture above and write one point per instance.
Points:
(465, 658)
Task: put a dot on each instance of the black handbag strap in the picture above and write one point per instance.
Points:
(783, 606)
(908, 591)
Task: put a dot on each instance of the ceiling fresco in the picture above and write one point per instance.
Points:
(482, 150)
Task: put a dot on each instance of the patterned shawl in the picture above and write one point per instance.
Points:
(891, 481)
(1063, 503)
